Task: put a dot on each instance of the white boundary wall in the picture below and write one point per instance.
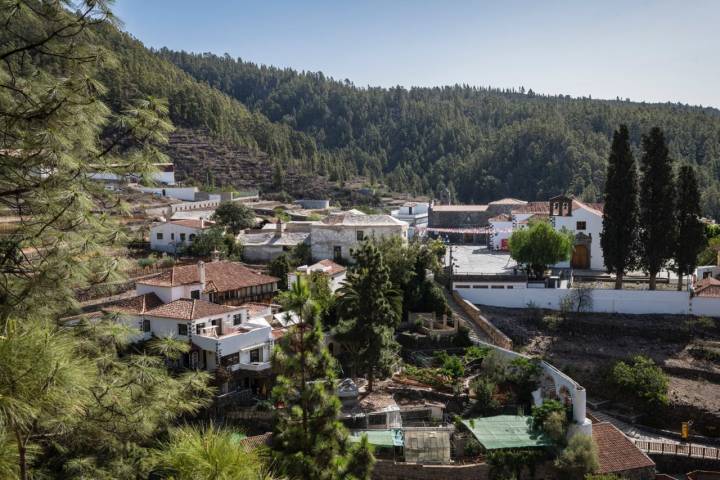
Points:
(610, 301)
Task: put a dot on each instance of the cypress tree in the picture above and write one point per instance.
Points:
(657, 205)
(309, 442)
(369, 312)
(690, 230)
(619, 238)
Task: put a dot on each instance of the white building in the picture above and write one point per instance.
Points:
(583, 220)
(187, 303)
(174, 235)
(415, 214)
(335, 273)
(337, 234)
(165, 174)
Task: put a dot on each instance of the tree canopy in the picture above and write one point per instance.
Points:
(539, 246)
(619, 237)
(234, 216)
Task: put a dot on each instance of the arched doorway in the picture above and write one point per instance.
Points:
(580, 257)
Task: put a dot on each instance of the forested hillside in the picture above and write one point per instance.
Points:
(195, 105)
(480, 143)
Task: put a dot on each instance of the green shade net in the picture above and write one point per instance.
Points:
(506, 431)
(379, 438)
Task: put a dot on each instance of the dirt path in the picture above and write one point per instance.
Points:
(476, 334)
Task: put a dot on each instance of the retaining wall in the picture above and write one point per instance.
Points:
(607, 301)
(493, 333)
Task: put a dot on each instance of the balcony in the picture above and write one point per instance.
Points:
(253, 366)
(234, 339)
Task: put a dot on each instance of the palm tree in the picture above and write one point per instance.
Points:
(211, 453)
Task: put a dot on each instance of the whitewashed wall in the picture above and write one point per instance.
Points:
(180, 193)
(610, 301)
(325, 237)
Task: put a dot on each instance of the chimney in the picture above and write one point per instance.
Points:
(215, 255)
(201, 273)
(202, 223)
(279, 227)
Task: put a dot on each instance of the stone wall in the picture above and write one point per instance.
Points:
(496, 336)
(390, 470)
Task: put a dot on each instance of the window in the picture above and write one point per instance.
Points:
(172, 236)
(360, 235)
(182, 329)
(195, 294)
(377, 419)
(146, 326)
(462, 286)
(497, 287)
(194, 359)
(255, 355)
(509, 287)
(192, 237)
(232, 359)
(580, 226)
(337, 252)
(480, 286)
(215, 322)
(182, 237)
(237, 319)
(199, 328)
(159, 236)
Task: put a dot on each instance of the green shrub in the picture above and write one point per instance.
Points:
(166, 262)
(579, 458)
(704, 353)
(540, 413)
(509, 464)
(472, 448)
(642, 380)
(485, 403)
(475, 353)
(146, 262)
(552, 322)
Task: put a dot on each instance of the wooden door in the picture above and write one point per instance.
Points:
(580, 257)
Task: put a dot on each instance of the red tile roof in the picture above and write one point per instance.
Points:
(708, 287)
(508, 201)
(190, 309)
(533, 207)
(616, 452)
(135, 305)
(219, 277)
(334, 267)
(459, 208)
(255, 308)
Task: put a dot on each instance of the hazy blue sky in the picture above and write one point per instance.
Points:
(644, 50)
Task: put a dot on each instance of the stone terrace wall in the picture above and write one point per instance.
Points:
(390, 470)
(494, 334)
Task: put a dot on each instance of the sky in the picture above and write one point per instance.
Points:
(653, 51)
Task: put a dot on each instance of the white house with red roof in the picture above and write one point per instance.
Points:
(205, 304)
(174, 235)
(334, 272)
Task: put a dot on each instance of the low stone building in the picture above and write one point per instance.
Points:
(335, 236)
(266, 245)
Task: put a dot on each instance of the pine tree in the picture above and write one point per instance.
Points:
(619, 238)
(51, 117)
(690, 230)
(657, 205)
(369, 311)
(309, 442)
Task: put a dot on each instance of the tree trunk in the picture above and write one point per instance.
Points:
(371, 380)
(680, 282)
(653, 278)
(619, 280)
(22, 456)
